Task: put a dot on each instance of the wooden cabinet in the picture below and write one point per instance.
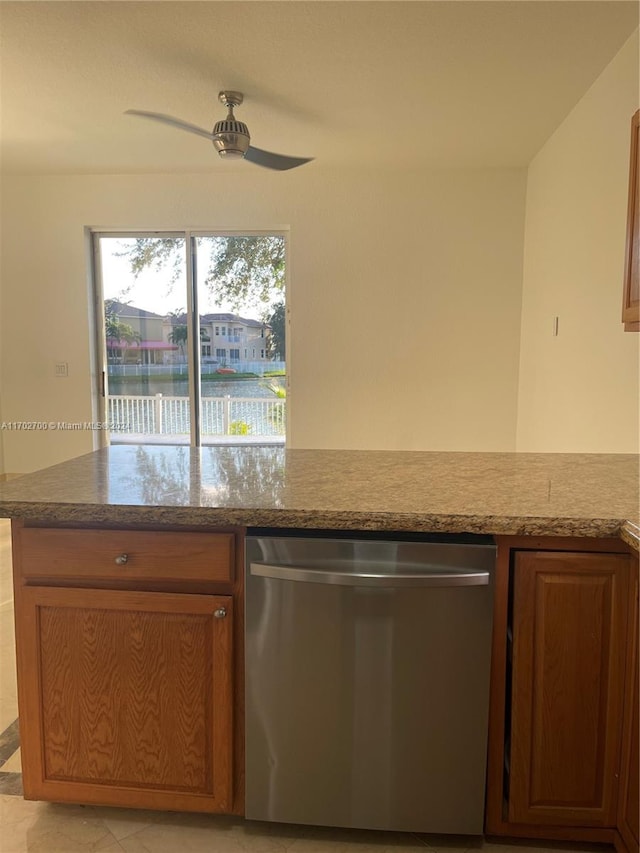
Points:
(569, 635)
(560, 673)
(629, 800)
(631, 290)
(126, 696)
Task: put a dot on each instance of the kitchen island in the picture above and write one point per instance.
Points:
(129, 609)
(592, 495)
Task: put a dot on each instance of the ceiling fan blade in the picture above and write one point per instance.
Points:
(173, 122)
(274, 161)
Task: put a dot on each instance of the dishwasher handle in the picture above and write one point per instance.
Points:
(371, 579)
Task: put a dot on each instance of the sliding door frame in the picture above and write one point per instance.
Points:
(193, 315)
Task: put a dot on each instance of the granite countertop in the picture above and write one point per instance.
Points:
(555, 494)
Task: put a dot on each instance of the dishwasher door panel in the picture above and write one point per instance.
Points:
(367, 707)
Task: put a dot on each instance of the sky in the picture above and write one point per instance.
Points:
(153, 289)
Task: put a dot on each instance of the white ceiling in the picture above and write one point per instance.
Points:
(361, 83)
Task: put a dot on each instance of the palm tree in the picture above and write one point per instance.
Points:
(179, 334)
(116, 331)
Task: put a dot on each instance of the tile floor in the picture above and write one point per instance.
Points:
(28, 827)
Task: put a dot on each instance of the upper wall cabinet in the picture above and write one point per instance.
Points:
(631, 299)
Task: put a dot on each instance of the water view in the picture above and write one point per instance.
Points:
(134, 386)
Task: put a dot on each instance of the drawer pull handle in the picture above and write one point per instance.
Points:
(122, 559)
(220, 613)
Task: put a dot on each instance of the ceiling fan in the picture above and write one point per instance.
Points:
(230, 137)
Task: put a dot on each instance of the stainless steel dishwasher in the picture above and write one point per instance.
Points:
(367, 681)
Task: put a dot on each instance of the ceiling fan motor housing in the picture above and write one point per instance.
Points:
(231, 138)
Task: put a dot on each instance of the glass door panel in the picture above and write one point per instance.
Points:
(145, 341)
(240, 294)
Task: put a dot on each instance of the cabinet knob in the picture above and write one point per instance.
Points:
(122, 559)
(220, 613)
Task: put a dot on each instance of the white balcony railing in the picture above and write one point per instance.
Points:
(161, 415)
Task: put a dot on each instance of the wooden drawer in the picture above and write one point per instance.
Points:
(125, 554)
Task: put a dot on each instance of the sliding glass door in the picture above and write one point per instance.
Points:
(192, 341)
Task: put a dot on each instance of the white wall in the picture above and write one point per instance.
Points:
(579, 390)
(434, 257)
(2, 465)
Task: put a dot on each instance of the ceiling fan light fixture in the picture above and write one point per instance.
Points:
(231, 138)
(231, 153)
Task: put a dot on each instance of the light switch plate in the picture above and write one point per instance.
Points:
(61, 369)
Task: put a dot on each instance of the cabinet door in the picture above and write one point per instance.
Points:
(569, 624)
(125, 698)
(631, 294)
(629, 805)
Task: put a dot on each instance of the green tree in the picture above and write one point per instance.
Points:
(277, 340)
(156, 253)
(241, 269)
(116, 331)
(178, 335)
(246, 269)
